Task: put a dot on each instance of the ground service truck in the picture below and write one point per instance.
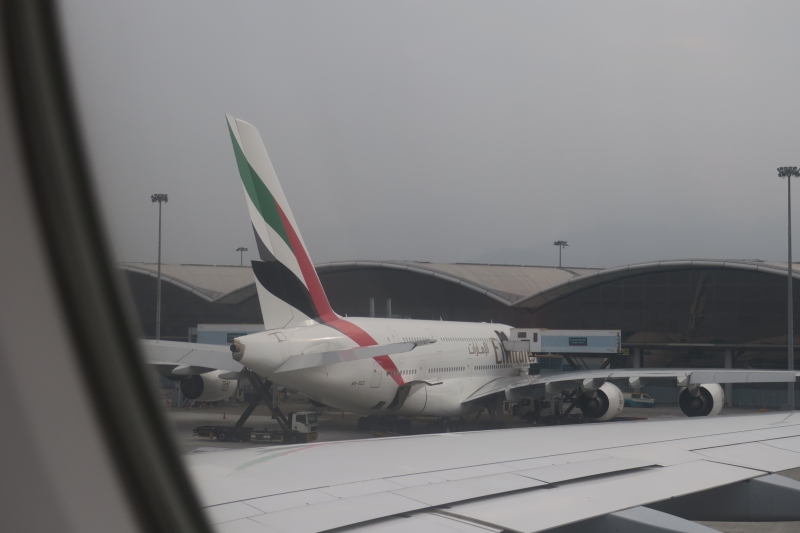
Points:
(302, 427)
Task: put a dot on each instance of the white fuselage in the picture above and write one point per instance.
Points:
(464, 358)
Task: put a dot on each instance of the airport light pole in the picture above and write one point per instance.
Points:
(561, 245)
(241, 251)
(789, 173)
(160, 198)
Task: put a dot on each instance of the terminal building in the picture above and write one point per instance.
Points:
(690, 313)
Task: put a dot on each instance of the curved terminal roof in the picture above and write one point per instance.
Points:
(210, 282)
(562, 290)
(515, 285)
(505, 283)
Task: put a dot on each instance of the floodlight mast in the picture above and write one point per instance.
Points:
(160, 198)
(241, 251)
(561, 245)
(789, 173)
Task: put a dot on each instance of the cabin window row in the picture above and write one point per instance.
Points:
(408, 372)
(450, 339)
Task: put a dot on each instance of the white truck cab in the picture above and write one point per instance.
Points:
(303, 421)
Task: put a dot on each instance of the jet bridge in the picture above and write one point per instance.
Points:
(564, 341)
(572, 344)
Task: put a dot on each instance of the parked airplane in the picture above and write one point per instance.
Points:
(387, 367)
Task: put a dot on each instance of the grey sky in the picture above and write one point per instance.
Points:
(447, 131)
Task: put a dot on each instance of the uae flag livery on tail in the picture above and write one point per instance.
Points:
(288, 287)
(289, 290)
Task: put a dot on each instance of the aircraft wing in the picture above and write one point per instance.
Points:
(186, 358)
(625, 476)
(679, 377)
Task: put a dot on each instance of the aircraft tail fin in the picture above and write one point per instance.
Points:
(289, 289)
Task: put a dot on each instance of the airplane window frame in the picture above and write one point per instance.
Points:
(91, 296)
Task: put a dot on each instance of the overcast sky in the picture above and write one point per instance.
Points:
(446, 131)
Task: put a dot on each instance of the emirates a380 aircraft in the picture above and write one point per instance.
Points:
(388, 367)
(365, 365)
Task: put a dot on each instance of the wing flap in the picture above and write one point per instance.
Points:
(538, 510)
(638, 520)
(569, 471)
(754, 455)
(467, 489)
(792, 444)
(243, 525)
(338, 513)
(660, 454)
(230, 511)
(290, 500)
(539, 462)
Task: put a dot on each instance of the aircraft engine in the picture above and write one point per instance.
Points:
(208, 387)
(603, 404)
(707, 400)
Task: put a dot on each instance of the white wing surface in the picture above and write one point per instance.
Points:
(678, 377)
(196, 358)
(571, 478)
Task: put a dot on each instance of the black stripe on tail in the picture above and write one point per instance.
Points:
(283, 284)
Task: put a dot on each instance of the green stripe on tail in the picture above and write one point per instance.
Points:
(258, 192)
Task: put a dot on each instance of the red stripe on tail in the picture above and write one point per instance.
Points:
(323, 307)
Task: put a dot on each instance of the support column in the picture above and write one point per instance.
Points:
(636, 358)
(729, 386)
(372, 307)
(388, 308)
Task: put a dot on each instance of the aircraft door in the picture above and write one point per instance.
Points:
(469, 369)
(377, 374)
(423, 370)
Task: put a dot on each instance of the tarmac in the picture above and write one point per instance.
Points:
(335, 425)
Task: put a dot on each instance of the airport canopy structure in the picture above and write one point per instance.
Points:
(600, 277)
(504, 283)
(678, 313)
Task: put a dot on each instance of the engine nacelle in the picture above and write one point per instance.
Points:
(208, 387)
(604, 404)
(707, 400)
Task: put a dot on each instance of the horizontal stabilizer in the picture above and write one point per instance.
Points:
(309, 360)
(202, 357)
(190, 370)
